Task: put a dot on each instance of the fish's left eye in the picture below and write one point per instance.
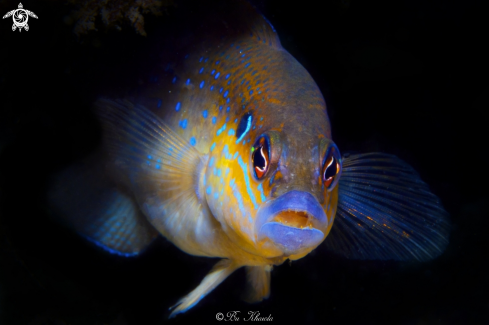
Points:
(331, 168)
(260, 157)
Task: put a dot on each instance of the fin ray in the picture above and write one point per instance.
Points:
(88, 202)
(385, 211)
(218, 274)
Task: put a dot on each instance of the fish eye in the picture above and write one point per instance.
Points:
(331, 168)
(260, 157)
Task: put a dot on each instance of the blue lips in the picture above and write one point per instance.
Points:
(292, 240)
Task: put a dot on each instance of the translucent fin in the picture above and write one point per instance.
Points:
(164, 171)
(218, 274)
(89, 203)
(258, 283)
(385, 211)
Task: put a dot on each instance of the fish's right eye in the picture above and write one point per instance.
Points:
(331, 168)
(260, 157)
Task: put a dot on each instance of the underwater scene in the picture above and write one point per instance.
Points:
(184, 161)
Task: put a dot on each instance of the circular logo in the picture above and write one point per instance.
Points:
(219, 316)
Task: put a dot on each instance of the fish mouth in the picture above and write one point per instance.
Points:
(293, 222)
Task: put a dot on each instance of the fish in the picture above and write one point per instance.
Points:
(225, 149)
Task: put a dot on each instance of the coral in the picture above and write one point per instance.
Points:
(113, 12)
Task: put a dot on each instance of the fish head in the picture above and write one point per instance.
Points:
(274, 194)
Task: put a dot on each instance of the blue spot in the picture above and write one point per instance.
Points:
(177, 108)
(220, 108)
(248, 87)
(242, 81)
(183, 124)
(215, 171)
(201, 70)
(247, 65)
(202, 85)
(227, 76)
(206, 59)
(217, 75)
(188, 81)
(193, 141)
(212, 88)
(158, 160)
(235, 155)
(237, 46)
(149, 157)
(227, 170)
(157, 166)
(204, 114)
(231, 132)
(236, 121)
(244, 142)
(159, 103)
(220, 90)
(219, 172)
(228, 100)
(228, 109)
(221, 129)
(213, 120)
(226, 93)
(261, 118)
(208, 190)
(213, 146)
(217, 62)
(216, 195)
(202, 58)
(229, 82)
(211, 162)
(251, 92)
(243, 55)
(227, 119)
(212, 72)
(174, 80)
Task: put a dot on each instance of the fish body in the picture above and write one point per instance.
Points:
(226, 151)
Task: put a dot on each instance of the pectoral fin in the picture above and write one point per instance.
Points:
(258, 283)
(218, 274)
(385, 211)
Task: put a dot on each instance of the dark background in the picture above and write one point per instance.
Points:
(403, 77)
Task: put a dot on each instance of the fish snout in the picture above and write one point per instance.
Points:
(294, 223)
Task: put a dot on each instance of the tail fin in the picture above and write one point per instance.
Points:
(85, 199)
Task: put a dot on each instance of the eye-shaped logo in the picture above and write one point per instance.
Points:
(20, 17)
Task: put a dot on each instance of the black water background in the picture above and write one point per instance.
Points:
(404, 77)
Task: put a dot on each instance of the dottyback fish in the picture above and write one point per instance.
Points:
(225, 149)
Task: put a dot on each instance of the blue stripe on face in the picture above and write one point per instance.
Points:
(246, 175)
